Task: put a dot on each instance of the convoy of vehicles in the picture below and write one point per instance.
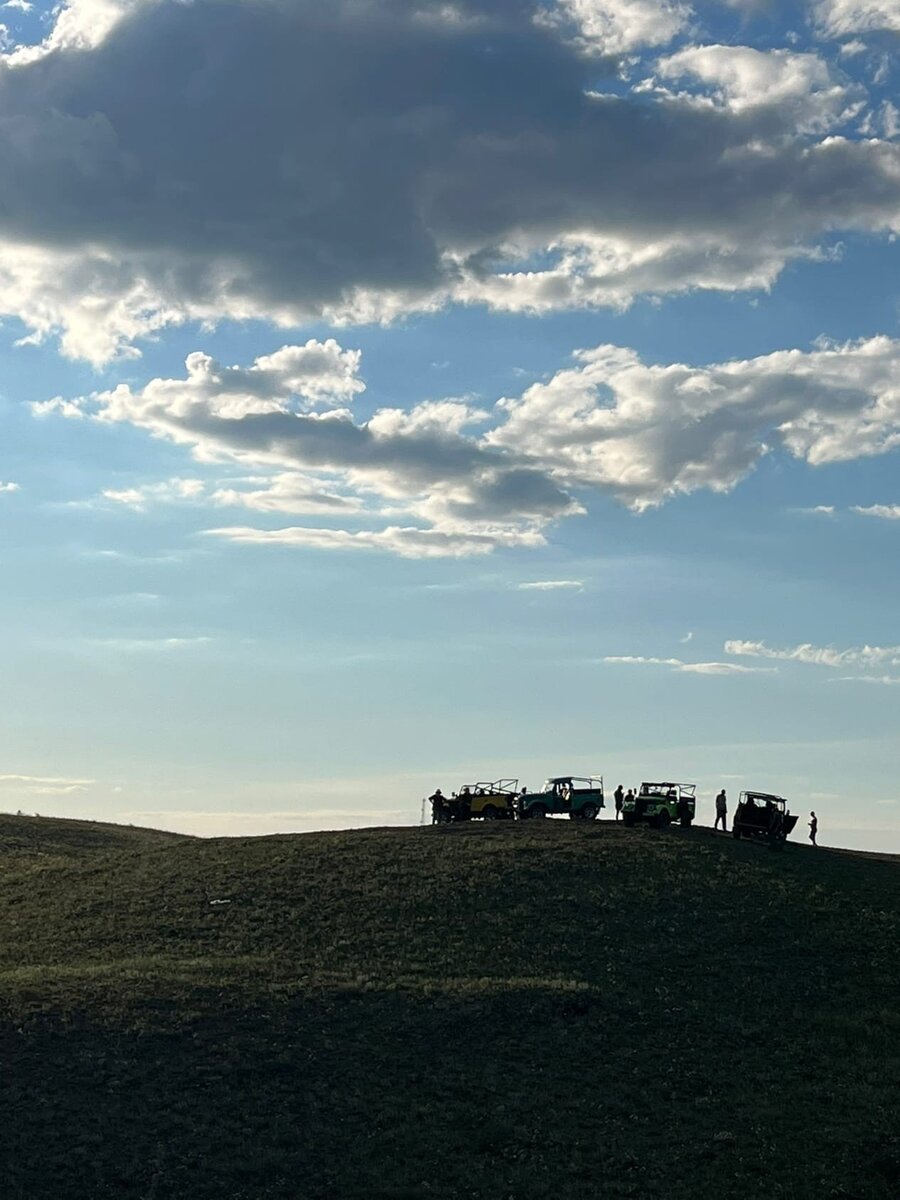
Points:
(660, 804)
(579, 797)
(761, 816)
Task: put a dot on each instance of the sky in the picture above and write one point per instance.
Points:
(403, 393)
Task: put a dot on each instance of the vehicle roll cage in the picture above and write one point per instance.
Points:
(765, 797)
(661, 790)
(498, 787)
(593, 782)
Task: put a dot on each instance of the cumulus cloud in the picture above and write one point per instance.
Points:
(650, 432)
(620, 26)
(744, 80)
(824, 656)
(420, 463)
(840, 18)
(356, 161)
(9, 487)
(689, 668)
(442, 484)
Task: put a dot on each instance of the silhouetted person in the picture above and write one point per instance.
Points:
(629, 796)
(813, 827)
(619, 796)
(722, 811)
(437, 805)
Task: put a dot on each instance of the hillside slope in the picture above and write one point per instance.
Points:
(525, 1012)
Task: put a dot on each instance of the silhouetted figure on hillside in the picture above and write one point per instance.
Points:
(619, 797)
(813, 827)
(721, 811)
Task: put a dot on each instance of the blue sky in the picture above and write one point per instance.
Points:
(397, 394)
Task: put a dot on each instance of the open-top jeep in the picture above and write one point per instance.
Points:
(762, 816)
(579, 797)
(660, 804)
(490, 801)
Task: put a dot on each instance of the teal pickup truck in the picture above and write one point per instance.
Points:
(660, 804)
(578, 797)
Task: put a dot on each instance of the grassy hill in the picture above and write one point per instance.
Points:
(530, 1012)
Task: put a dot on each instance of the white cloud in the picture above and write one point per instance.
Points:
(743, 80)
(8, 487)
(405, 542)
(611, 423)
(690, 668)
(171, 491)
(286, 492)
(622, 26)
(149, 645)
(22, 6)
(431, 173)
(825, 656)
(78, 25)
(418, 463)
(886, 512)
(552, 585)
(44, 785)
(881, 680)
(651, 432)
(839, 18)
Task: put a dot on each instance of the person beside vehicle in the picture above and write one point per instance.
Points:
(619, 797)
(722, 811)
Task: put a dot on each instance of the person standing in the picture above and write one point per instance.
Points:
(619, 797)
(813, 827)
(721, 811)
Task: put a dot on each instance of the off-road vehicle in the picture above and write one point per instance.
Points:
(764, 817)
(580, 797)
(660, 804)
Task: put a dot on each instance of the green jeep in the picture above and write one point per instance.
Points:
(660, 804)
(580, 798)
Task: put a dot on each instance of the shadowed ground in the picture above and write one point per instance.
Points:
(526, 1012)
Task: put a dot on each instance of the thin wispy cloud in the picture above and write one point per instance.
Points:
(824, 656)
(552, 585)
(689, 668)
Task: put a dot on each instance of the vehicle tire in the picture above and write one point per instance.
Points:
(489, 813)
(589, 812)
(664, 820)
(538, 812)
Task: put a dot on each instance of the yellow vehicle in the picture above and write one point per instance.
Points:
(478, 801)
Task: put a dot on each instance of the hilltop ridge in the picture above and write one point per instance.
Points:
(527, 1011)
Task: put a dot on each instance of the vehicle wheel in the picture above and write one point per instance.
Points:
(489, 812)
(538, 812)
(664, 820)
(589, 812)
